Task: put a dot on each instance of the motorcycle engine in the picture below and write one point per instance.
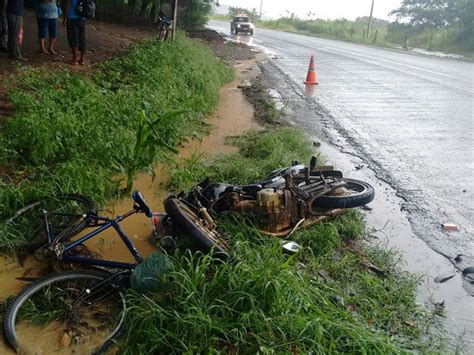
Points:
(274, 209)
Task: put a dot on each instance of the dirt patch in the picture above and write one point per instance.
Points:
(104, 41)
(266, 112)
(227, 50)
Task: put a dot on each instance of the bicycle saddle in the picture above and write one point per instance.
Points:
(141, 204)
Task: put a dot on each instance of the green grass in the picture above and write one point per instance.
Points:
(74, 132)
(337, 295)
(261, 151)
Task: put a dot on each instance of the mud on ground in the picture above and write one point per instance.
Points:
(229, 51)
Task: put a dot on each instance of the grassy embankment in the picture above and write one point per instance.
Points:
(338, 295)
(74, 132)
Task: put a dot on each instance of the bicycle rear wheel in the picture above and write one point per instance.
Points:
(355, 193)
(67, 214)
(197, 230)
(163, 35)
(72, 312)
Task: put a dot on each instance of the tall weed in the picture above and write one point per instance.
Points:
(74, 132)
(264, 301)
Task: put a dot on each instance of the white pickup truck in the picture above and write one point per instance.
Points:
(241, 23)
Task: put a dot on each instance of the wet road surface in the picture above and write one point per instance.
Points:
(408, 119)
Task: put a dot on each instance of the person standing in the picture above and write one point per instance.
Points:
(15, 9)
(76, 31)
(47, 12)
(3, 26)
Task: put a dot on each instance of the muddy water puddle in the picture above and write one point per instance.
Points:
(233, 117)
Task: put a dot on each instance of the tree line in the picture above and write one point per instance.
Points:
(453, 19)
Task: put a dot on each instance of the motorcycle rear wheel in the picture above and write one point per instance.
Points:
(199, 233)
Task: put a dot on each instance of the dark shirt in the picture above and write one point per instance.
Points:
(15, 7)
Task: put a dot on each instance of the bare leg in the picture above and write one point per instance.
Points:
(81, 59)
(52, 43)
(75, 56)
(42, 48)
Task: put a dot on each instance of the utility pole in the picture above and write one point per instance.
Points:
(369, 27)
(175, 16)
(261, 6)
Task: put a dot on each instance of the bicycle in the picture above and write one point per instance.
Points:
(84, 310)
(165, 26)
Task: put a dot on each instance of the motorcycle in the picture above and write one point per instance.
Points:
(286, 199)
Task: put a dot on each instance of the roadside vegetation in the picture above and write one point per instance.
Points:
(444, 26)
(85, 133)
(337, 295)
(91, 133)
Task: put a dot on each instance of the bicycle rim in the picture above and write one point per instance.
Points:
(65, 313)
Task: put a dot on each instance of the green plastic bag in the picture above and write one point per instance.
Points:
(149, 276)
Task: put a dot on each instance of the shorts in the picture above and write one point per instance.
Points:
(47, 26)
(76, 33)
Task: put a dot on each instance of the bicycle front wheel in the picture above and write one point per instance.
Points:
(67, 213)
(72, 312)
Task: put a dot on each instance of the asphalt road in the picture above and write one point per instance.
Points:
(409, 118)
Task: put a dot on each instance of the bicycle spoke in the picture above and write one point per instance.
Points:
(74, 322)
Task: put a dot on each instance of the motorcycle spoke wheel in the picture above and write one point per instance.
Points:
(203, 236)
(355, 193)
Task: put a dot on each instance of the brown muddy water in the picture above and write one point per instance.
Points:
(233, 117)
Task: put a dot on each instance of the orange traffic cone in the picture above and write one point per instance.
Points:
(311, 78)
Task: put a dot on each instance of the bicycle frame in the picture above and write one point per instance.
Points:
(107, 223)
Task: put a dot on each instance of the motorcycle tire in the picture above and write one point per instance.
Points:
(197, 231)
(356, 193)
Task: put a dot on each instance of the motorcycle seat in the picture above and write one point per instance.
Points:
(251, 189)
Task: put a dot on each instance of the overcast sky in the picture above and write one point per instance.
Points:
(332, 9)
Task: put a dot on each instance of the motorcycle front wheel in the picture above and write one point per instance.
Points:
(355, 193)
